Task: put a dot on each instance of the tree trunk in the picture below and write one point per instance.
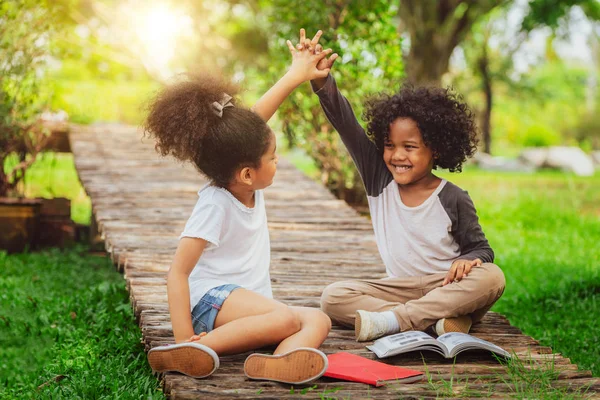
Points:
(436, 28)
(483, 66)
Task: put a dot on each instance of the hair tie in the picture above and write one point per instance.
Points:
(218, 106)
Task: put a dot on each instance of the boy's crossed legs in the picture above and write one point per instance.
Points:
(416, 302)
(247, 321)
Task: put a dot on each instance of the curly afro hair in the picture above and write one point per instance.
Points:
(182, 121)
(446, 122)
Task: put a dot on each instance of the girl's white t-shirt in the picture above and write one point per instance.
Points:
(237, 250)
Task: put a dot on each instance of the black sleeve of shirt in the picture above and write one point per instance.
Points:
(465, 224)
(364, 153)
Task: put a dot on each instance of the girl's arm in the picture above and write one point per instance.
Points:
(178, 290)
(303, 68)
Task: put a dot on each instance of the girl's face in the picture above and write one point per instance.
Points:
(268, 166)
(405, 154)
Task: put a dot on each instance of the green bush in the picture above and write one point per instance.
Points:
(539, 135)
(587, 131)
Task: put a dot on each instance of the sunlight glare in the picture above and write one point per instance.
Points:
(158, 28)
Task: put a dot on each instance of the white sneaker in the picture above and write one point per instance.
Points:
(458, 324)
(369, 325)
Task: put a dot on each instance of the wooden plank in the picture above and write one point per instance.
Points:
(141, 202)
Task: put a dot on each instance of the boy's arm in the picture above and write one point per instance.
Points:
(466, 230)
(367, 158)
(469, 234)
(303, 68)
(178, 290)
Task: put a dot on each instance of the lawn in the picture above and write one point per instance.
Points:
(67, 330)
(545, 230)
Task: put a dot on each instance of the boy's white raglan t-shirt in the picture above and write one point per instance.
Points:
(238, 249)
(412, 241)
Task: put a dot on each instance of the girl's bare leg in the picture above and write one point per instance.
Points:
(314, 328)
(247, 321)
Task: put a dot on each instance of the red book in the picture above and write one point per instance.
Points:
(351, 367)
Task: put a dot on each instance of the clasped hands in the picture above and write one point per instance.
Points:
(309, 60)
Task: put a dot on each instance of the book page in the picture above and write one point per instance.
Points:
(455, 342)
(405, 342)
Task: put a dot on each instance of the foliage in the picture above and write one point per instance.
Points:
(587, 130)
(539, 135)
(68, 331)
(26, 31)
(551, 12)
(364, 34)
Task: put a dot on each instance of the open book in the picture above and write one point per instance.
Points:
(448, 345)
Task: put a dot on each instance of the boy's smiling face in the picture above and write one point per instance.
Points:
(405, 153)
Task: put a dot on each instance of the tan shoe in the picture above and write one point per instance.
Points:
(192, 359)
(458, 324)
(302, 365)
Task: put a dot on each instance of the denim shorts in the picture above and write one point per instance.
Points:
(205, 312)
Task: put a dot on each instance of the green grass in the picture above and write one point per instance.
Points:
(545, 230)
(67, 330)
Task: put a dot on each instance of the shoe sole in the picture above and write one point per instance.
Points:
(295, 367)
(191, 359)
(358, 322)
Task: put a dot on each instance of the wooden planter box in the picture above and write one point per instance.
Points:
(55, 228)
(35, 223)
(19, 222)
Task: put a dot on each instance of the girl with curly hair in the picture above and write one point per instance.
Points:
(439, 264)
(218, 285)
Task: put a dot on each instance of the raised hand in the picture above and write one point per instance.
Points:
(325, 63)
(305, 58)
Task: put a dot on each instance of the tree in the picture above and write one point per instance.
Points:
(27, 37)
(435, 29)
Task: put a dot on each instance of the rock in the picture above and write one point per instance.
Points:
(570, 159)
(491, 163)
(534, 156)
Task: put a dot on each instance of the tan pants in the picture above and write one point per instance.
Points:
(418, 301)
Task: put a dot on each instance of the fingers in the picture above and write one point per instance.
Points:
(332, 59)
(318, 49)
(315, 40)
(450, 275)
(290, 46)
(302, 36)
(321, 55)
(460, 270)
(475, 263)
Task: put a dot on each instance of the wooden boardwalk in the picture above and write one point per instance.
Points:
(141, 202)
